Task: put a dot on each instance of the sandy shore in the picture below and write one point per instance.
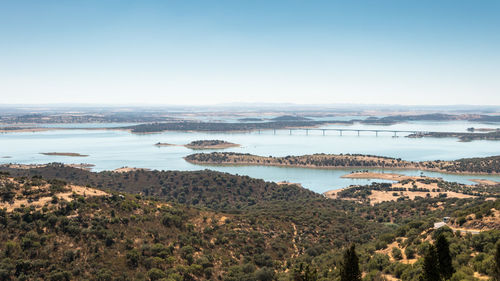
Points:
(288, 183)
(129, 169)
(484, 181)
(24, 130)
(373, 175)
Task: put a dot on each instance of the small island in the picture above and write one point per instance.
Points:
(71, 154)
(210, 144)
(164, 144)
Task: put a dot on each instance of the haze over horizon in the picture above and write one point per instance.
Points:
(200, 53)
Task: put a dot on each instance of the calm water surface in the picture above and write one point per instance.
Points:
(110, 149)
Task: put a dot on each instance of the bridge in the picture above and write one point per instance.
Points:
(341, 130)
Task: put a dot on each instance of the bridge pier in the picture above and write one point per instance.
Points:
(323, 132)
(358, 133)
(307, 132)
(376, 133)
(290, 131)
(274, 131)
(340, 131)
(395, 133)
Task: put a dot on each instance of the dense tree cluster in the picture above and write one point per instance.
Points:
(207, 142)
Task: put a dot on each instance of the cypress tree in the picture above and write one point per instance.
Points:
(444, 257)
(496, 271)
(350, 266)
(431, 266)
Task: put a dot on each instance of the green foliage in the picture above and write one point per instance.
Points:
(304, 273)
(496, 271)
(431, 265)
(443, 252)
(396, 253)
(350, 266)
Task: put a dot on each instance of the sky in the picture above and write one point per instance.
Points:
(410, 52)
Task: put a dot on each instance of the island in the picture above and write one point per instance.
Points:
(226, 127)
(70, 154)
(464, 137)
(164, 144)
(288, 118)
(210, 144)
(484, 165)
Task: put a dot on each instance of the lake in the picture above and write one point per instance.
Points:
(111, 149)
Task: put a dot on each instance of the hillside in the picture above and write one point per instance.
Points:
(105, 233)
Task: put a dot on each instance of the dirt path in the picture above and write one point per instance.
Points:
(294, 241)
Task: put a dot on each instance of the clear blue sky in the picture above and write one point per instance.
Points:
(206, 52)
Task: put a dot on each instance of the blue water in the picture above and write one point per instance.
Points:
(111, 149)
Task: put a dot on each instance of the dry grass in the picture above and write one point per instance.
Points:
(67, 195)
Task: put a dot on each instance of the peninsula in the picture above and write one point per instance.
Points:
(226, 127)
(486, 165)
(464, 137)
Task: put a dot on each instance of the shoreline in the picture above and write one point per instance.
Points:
(207, 147)
(203, 163)
(375, 175)
(485, 182)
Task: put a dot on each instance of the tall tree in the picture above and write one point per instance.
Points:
(444, 258)
(431, 266)
(496, 271)
(350, 266)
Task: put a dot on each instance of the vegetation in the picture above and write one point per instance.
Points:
(290, 118)
(223, 127)
(350, 266)
(89, 117)
(495, 135)
(207, 144)
(486, 165)
(431, 265)
(430, 117)
(444, 258)
(284, 233)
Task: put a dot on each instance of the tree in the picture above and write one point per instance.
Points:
(444, 257)
(431, 266)
(156, 274)
(301, 273)
(496, 271)
(350, 266)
